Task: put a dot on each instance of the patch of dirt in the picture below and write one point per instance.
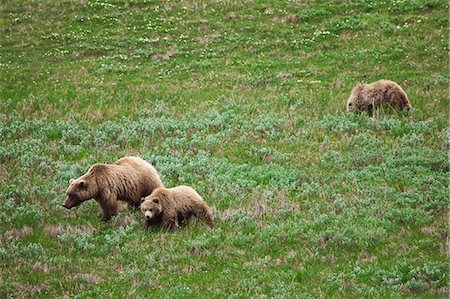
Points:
(337, 84)
(290, 19)
(330, 258)
(38, 266)
(428, 230)
(228, 213)
(21, 232)
(231, 16)
(98, 114)
(90, 53)
(208, 38)
(379, 68)
(366, 257)
(284, 207)
(268, 10)
(85, 229)
(4, 294)
(144, 86)
(17, 198)
(404, 233)
(189, 270)
(322, 243)
(199, 251)
(4, 174)
(260, 209)
(55, 230)
(284, 75)
(442, 291)
(124, 221)
(89, 278)
(123, 206)
(445, 146)
(31, 290)
(163, 57)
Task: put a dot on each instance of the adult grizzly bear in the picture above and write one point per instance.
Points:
(129, 179)
(170, 207)
(369, 96)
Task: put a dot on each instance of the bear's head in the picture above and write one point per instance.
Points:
(79, 191)
(355, 98)
(353, 102)
(151, 207)
(350, 104)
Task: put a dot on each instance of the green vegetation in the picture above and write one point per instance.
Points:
(245, 103)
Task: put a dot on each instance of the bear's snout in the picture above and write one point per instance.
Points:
(68, 204)
(148, 215)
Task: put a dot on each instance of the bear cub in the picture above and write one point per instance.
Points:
(129, 179)
(382, 92)
(169, 207)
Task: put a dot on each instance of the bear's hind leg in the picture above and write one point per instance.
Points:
(202, 211)
(170, 222)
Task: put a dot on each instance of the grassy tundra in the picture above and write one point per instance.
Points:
(244, 101)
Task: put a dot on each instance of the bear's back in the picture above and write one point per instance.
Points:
(132, 161)
(139, 177)
(143, 168)
(185, 193)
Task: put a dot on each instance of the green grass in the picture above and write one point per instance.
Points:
(250, 111)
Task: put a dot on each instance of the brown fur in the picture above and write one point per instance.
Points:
(370, 96)
(169, 207)
(129, 179)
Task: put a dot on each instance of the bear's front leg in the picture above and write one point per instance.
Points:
(173, 225)
(148, 226)
(170, 222)
(109, 208)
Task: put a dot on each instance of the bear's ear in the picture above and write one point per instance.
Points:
(156, 200)
(142, 199)
(82, 183)
(70, 181)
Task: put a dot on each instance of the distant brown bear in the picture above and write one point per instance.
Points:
(382, 92)
(170, 207)
(129, 179)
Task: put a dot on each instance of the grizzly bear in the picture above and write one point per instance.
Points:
(169, 207)
(129, 179)
(382, 92)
